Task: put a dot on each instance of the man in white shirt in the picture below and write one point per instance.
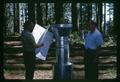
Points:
(93, 42)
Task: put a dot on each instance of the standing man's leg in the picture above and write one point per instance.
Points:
(86, 62)
(95, 67)
(91, 71)
(29, 65)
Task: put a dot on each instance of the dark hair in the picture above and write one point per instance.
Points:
(93, 22)
(26, 24)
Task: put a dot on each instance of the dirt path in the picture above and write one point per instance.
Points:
(47, 74)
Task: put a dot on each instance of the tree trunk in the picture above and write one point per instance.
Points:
(16, 17)
(100, 16)
(78, 17)
(31, 11)
(74, 16)
(96, 5)
(39, 14)
(104, 32)
(81, 15)
(89, 8)
(58, 12)
(46, 13)
(5, 14)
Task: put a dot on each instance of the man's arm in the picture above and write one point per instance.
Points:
(34, 43)
(99, 42)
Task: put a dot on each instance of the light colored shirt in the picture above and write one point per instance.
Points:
(28, 41)
(93, 39)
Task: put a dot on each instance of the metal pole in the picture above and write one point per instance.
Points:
(63, 66)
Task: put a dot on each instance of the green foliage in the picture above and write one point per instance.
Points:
(112, 31)
(75, 40)
(112, 73)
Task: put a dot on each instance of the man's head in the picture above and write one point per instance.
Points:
(93, 25)
(28, 25)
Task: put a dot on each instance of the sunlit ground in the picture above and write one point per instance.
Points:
(48, 74)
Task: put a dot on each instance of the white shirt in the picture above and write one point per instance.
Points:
(93, 39)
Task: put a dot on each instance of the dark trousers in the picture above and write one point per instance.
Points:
(29, 61)
(91, 65)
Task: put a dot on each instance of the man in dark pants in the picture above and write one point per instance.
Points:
(29, 46)
(93, 42)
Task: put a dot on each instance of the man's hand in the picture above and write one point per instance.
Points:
(39, 45)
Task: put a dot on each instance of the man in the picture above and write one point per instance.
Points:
(93, 42)
(29, 46)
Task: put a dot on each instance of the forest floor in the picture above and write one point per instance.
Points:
(48, 74)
